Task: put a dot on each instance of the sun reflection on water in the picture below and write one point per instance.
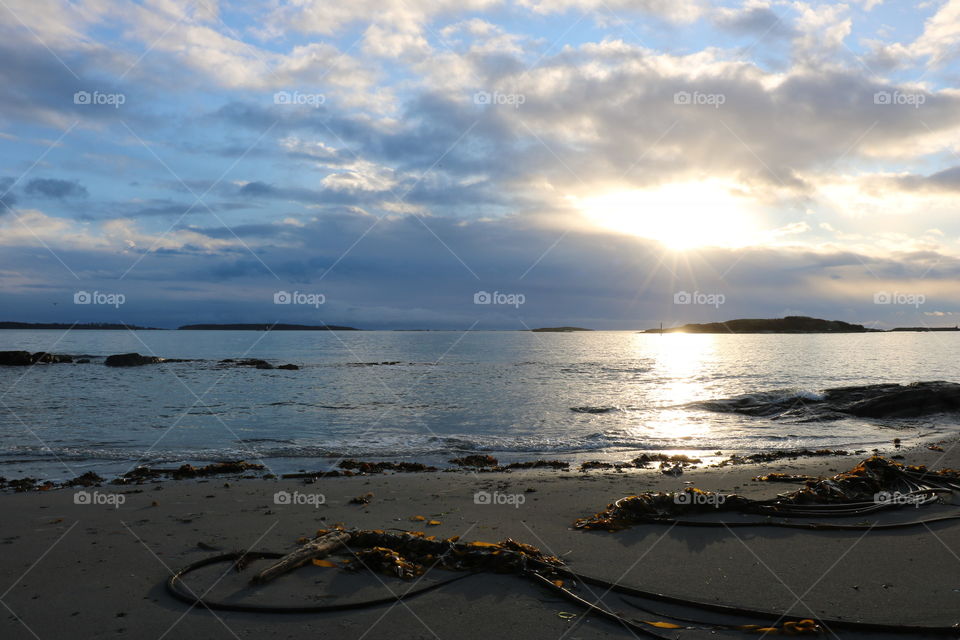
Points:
(680, 362)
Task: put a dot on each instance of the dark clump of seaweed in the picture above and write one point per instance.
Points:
(784, 477)
(88, 479)
(538, 464)
(475, 460)
(641, 462)
(857, 487)
(773, 456)
(361, 466)
(142, 474)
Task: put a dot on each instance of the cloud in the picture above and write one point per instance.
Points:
(55, 188)
(8, 200)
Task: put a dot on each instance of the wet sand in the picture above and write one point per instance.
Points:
(98, 570)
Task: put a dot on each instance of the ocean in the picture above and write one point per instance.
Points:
(428, 396)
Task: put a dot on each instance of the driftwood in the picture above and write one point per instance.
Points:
(316, 548)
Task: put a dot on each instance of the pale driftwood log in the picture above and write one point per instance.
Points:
(316, 548)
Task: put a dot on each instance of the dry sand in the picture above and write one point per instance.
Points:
(96, 571)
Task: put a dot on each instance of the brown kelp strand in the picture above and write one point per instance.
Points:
(873, 485)
(408, 554)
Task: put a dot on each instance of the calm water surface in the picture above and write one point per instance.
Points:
(511, 394)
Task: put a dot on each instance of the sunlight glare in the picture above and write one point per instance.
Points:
(679, 215)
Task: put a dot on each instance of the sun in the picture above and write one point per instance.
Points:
(680, 216)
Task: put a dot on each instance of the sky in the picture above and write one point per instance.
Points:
(484, 164)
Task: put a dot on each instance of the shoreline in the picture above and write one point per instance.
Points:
(100, 567)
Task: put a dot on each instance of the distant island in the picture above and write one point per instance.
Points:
(88, 326)
(790, 324)
(559, 329)
(264, 327)
(926, 329)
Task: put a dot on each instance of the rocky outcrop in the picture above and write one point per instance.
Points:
(883, 401)
(25, 358)
(131, 360)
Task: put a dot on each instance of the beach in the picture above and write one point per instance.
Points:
(97, 569)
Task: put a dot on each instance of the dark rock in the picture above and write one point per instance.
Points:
(289, 367)
(15, 358)
(895, 401)
(888, 401)
(83, 361)
(51, 358)
(131, 360)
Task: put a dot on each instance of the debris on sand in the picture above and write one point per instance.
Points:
(854, 492)
(141, 474)
(475, 461)
(380, 467)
